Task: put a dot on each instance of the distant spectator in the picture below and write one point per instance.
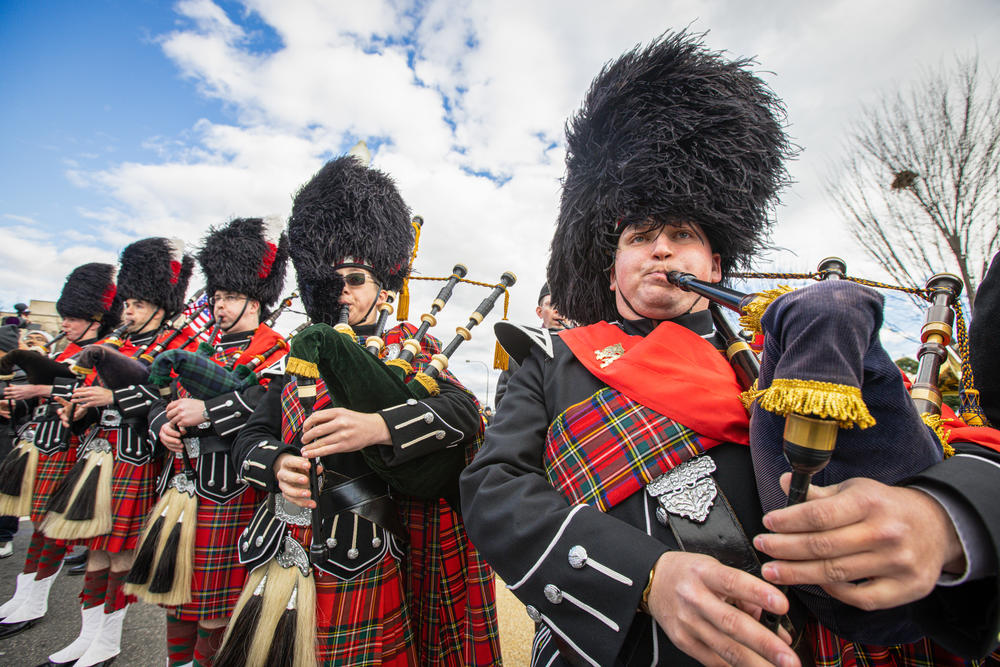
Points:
(488, 415)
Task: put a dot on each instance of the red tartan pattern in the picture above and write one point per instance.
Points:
(133, 494)
(450, 588)
(218, 576)
(51, 470)
(607, 447)
(829, 650)
(364, 621)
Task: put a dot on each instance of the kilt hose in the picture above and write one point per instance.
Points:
(450, 589)
(363, 622)
(218, 576)
(51, 470)
(133, 494)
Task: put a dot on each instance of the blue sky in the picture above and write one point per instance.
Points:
(129, 119)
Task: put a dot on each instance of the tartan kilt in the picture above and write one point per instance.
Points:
(133, 494)
(363, 622)
(51, 470)
(218, 575)
(450, 588)
(829, 650)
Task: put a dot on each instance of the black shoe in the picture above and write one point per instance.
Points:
(55, 664)
(11, 629)
(77, 570)
(77, 559)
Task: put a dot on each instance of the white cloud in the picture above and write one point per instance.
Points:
(511, 73)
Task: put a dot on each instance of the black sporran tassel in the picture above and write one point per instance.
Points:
(282, 653)
(142, 566)
(240, 633)
(12, 473)
(163, 577)
(60, 497)
(82, 508)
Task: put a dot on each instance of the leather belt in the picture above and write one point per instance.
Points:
(367, 496)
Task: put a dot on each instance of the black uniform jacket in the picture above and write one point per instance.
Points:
(581, 572)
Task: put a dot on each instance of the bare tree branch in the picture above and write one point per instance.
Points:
(921, 186)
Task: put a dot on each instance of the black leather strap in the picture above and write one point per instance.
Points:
(367, 496)
(720, 536)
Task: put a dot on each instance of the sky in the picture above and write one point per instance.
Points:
(130, 118)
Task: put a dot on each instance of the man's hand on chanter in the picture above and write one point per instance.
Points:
(339, 430)
(292, 473)
(711, 611)
(867, 544)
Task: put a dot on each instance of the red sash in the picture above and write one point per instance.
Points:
(673, 371)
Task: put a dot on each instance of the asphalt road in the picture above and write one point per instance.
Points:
(143, 640)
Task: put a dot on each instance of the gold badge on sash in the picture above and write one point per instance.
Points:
(610, 354)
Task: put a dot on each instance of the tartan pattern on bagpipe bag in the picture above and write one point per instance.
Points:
(605, 448)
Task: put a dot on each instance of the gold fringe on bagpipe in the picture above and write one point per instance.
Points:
(166, 551)
(274, 621)
(972, 412)
(60, 525)
(753, 311)
(25, 457)
(401, 363)
(429, 384)
(936, 424)
(81, 371)
(301, 367)
(840, 402)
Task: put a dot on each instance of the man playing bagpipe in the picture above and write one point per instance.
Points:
(106, 497)
(616, 491)
(46, 451)
(244, 266)
(393, 578)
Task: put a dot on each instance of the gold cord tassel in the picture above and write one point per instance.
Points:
(403, 302)
(501, 360)
(752, 312)
(826, 400)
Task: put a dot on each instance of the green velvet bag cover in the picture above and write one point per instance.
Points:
(357, 380)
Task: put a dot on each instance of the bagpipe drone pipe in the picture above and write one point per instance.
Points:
(80, 506)
(828, 404)
(163, 567)
(44, 433)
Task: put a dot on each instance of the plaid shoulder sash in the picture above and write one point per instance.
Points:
(602, 450)
(292, 414)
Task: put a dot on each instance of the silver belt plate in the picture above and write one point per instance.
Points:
(110, 418)
(687, 491)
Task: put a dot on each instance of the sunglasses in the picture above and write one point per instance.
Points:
(355, 279)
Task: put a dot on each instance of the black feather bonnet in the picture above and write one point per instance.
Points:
(671, 132)
(347, 215)
(90, 294)
(155, 270)
(246, 255)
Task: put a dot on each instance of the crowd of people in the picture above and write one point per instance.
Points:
(334, 497)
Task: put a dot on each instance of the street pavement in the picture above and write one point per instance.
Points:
(143, 641)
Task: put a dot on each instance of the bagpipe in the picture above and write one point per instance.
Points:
(360, 381)
(164, 562)
(827, 391)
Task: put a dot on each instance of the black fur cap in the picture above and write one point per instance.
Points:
(90, 294)
(347, 214)
(155, 270)
(246, 255)
(669, 132)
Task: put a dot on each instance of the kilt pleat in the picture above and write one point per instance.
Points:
(133, 494)
(218, 576)
(450, 589)
(51, 470)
